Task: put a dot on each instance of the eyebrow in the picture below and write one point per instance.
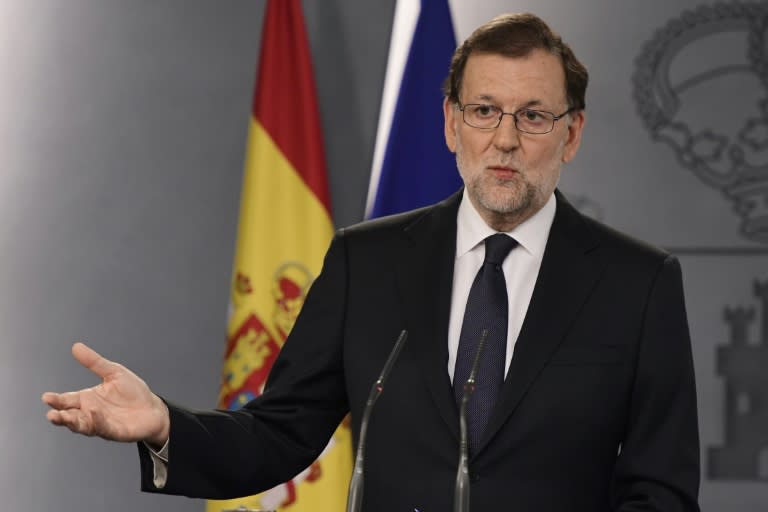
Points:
(528, 104)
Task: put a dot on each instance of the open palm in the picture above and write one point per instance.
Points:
(121, 408)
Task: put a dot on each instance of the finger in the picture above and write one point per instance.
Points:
(74, 420)
(54, 417)
(92, 360)
(69, 400)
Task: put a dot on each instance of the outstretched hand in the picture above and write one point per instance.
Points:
(121, 408)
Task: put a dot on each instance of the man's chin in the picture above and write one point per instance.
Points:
(502, 200)
(503, 205)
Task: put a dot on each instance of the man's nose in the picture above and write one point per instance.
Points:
(507, 136)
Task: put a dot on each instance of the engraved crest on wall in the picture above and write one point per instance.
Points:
(741, 363)
(701, 87)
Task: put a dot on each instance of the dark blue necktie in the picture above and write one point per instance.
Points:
(486, 309)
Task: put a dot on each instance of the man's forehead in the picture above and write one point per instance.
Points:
(534, 79)
(537, 61)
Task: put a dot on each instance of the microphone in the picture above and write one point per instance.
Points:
(355, 496)
(461, 489)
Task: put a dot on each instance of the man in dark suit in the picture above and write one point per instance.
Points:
(586, 398)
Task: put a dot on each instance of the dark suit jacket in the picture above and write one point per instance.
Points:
(597, 413)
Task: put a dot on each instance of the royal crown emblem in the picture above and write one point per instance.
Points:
(701, 86)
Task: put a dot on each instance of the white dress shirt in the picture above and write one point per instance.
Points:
(521, 268)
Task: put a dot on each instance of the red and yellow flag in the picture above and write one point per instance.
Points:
(285, 228)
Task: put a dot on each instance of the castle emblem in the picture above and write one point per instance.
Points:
(255, 344)
(742, 364)
(701, 87)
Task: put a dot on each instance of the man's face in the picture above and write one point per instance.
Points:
(508, 174)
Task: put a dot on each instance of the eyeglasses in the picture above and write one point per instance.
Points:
(488, 117)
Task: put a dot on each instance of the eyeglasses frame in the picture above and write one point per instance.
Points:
(514, 114)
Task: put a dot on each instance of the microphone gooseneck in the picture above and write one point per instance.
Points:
(461, 489)
(355, 496)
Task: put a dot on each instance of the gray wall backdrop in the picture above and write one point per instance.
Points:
(122, 130)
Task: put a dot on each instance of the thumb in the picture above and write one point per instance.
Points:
(92, 360)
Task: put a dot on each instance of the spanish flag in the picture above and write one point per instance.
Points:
(285, 228)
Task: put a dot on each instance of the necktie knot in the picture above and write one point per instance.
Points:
(497, 248)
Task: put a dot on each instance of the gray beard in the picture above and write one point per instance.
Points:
(509, 205)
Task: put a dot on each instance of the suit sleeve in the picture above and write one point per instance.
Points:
(225, 454)
(658, 466)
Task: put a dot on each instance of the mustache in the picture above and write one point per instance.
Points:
(506, 160)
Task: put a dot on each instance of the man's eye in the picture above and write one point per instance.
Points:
(485, 111)
(532, 116)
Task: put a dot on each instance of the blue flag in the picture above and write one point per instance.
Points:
(412, 166)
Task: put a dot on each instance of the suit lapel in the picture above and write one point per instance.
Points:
(569, 272)
(424, 279)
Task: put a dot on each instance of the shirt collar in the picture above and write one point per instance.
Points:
(531, 235)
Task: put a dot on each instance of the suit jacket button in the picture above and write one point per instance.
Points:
(474, 477)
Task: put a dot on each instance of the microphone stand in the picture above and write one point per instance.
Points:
(355, 497)
(461, 489)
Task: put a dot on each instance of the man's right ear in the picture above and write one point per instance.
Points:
(449, 115)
